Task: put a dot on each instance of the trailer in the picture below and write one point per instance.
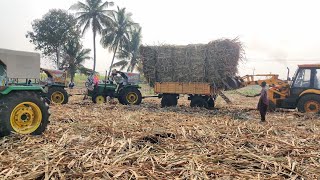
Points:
(200, 94)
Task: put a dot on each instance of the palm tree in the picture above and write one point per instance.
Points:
(116, 36)
(130, 52)
(74, 56)
(92, 14)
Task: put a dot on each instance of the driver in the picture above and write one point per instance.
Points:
(124, 80)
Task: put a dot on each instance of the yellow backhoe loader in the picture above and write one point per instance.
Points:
(302, 91)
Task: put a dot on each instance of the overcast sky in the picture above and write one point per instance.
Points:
(275, 33)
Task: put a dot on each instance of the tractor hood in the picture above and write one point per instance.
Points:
(21, 64)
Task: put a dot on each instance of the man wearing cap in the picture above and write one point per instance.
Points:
(263, 102)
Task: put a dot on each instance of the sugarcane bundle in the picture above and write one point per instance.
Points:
(192, 63)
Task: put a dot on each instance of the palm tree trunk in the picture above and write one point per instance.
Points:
(57, 55)
(114, 55)
(94, 51)
(72, 72)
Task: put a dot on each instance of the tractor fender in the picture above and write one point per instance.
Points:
(9, 89)
(310, 91)
(128, 86)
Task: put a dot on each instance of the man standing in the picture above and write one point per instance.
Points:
(263, 102)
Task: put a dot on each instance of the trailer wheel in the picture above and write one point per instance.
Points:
(198, 101)
(168, 100)
(272, 107)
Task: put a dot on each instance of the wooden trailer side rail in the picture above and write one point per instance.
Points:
(184, 88)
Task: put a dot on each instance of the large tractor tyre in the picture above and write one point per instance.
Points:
(198, 101)
(168, 100)
(131, 96)
(58, 95)
(309, 103)
(272, 107)
(24, 113)
(98, 99)
(211, 103)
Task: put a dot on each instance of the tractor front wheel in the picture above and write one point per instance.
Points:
(58, 95)
(309, 103)
(98, 99)
(24, 113)
(130, 96)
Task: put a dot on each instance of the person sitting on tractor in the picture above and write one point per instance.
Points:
(124, 80)
(71, 85)
(96, 80)
(50, 80)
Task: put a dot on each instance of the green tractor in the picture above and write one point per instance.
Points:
(55, 85)
(124, 88)
(22, 107)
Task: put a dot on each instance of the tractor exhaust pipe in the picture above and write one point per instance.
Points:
(288, 74)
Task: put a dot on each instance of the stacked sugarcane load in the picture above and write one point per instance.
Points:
(192, 63)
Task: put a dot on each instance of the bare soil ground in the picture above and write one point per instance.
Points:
(112, 141)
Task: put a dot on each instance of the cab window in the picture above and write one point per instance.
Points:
(303, 78)
(317, 79)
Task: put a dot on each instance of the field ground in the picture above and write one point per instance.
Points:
(112, 141)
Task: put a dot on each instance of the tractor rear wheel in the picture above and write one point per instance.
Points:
(309, 103)
(130, 96)
(98, 99)
(24, 113)
(168, 100)
(198, 101)
(58, 95)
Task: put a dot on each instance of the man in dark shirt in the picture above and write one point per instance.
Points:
(263, 102)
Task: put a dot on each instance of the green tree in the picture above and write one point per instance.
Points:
(52, 32)
(92, 14)
(74, 56)
(129, 53)
(117, 33)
